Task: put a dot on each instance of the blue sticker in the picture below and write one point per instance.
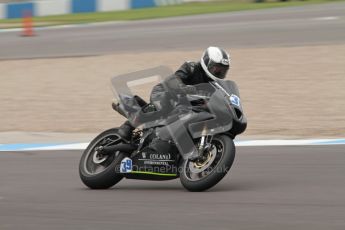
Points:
(235, 100)
(126, 165)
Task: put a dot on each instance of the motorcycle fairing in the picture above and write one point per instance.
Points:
(177, 111)
(149, 164)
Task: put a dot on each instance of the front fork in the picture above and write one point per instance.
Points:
(205, 143)
(203, 146)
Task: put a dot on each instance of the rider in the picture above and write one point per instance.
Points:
(214, 63)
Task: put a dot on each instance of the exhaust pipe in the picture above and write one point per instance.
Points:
(107, 150)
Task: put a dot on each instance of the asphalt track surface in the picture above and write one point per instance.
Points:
(293, 26)
(267, 188)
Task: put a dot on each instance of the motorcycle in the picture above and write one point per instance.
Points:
(190, 137)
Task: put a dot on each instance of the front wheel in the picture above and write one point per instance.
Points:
(199, 175)
(97, 171)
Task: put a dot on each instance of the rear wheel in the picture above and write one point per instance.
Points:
(97, 171)
(201, 174)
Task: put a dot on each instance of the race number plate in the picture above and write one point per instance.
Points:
(126, 165)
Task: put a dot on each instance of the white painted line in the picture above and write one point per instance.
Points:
(272, 142)
(92, 24)
(10, 30)
(253, 143)
(290, 142)
(77, 146)
(326, 18)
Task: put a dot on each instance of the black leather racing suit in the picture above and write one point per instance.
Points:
(190, 73)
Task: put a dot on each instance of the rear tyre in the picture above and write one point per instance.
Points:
(199, 176)
(98, 171)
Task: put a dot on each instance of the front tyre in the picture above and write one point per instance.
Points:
(197, 176)
(97, 171)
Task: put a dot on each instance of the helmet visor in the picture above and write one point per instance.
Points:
(218, 70)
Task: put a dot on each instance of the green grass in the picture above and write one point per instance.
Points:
(158, 12)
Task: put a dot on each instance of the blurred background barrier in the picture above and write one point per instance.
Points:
(16, 8)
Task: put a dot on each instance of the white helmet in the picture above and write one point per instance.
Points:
(215, 62)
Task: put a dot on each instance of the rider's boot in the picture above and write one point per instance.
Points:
(125, 131)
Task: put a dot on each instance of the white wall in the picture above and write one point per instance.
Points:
(2, 11)
(112, 5)
(56, 7)
(167, 2)
(195, 0)
(50, 7)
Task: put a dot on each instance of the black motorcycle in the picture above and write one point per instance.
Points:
(190, 137)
